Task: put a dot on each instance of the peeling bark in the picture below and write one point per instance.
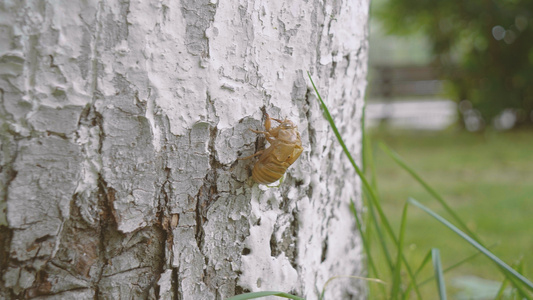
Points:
(121, 127)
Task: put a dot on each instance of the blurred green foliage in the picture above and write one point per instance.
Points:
(484, 48)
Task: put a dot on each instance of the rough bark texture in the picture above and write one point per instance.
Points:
(122, 122)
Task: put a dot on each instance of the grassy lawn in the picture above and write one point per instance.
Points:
(487, 179)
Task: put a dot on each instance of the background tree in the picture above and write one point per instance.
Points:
(484, 49)
(121, 127)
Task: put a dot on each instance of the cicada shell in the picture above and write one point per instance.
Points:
(285, 148)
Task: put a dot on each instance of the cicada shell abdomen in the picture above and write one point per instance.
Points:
(285, 148)
(275, 160)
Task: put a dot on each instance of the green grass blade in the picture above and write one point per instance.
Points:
(366, 186)
(435, 255)
(369, 258)
(368, 158)
(372, 167)
(455, 265)
(485, 251)
(349, 276)
(519, 267)
(428, 188)
(436, 195)
(518, 290)
(504, 285)
(367, 152)
(379, 233)
(430, 279)
(367, 189)
(368, 165)
(264, 294)
(396, 278)
(368, 234)
(422, 265)
(341, 141)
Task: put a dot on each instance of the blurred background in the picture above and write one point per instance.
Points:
(451, 91)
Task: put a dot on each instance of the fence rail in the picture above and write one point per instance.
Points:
(409, 97)
(391, 82)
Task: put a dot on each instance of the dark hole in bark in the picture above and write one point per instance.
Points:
(324, 250)
(43, 238)
(240, 290)
(274, 252)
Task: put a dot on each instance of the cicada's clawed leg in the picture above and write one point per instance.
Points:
(268, 122)
(253, 155)
(278, 120)
(257, 131)
(268, 135)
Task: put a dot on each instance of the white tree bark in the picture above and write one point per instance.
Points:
(122, 122)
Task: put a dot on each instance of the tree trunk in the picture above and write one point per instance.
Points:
(122, 122)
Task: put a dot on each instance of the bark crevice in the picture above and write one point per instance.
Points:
(8, 155)
(175, 284)
(207, 195)
(107, 224)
